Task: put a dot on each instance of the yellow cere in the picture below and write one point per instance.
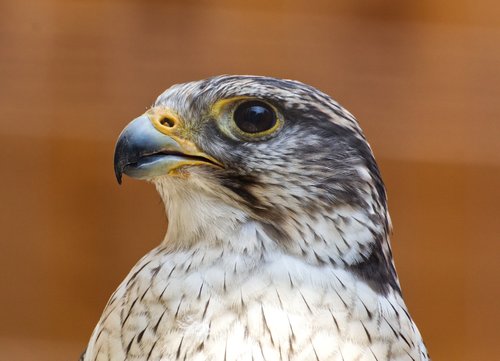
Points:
(157, 114)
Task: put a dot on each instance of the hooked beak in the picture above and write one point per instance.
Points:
(149, 147)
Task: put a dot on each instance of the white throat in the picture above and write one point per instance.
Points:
(196, 217)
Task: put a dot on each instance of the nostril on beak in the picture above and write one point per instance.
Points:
(168, 122)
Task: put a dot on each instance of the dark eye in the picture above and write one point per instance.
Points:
(254, 117)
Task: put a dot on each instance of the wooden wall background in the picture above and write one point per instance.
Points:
(422, 77)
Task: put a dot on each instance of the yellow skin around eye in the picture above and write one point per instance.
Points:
(223, 111)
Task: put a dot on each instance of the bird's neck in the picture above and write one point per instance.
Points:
(344, 237)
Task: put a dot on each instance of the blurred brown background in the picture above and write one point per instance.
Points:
(421, 76)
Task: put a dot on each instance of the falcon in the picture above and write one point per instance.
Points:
(277, 245)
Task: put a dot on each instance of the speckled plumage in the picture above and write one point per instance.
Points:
(281, 255)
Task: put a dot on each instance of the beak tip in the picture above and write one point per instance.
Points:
(118, 176)
(118, 173)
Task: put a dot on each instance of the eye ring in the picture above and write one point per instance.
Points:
(255, 118)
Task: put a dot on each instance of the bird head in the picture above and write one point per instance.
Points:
(238, 149)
